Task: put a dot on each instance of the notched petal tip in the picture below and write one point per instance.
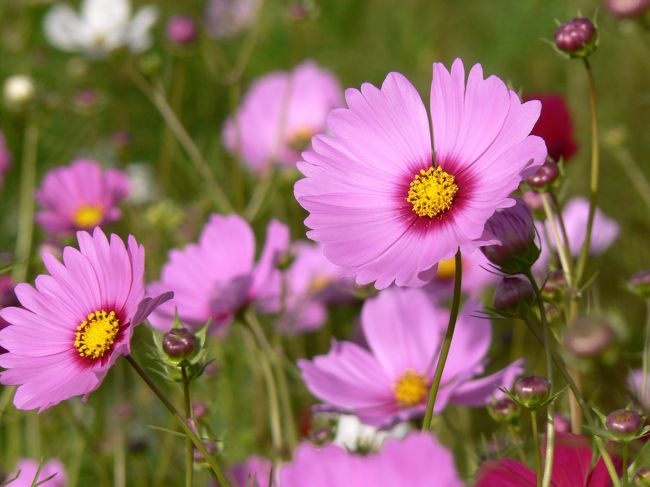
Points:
(148, 305)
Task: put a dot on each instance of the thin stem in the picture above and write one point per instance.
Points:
(214, 466)
(624, 466)
(607, 459)
(26, 202)
(633, 172)
(565, 257)
(517, 442)
(259, 195)
(550, 428)
(446, 344)
(595, 171)
(563, 230)
(157, 97)
(189, 452)
(536, 447)
(646, 354)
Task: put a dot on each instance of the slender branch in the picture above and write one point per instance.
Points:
(538, 450)
(189, 452)
(446, 344)
(565, 257)
(198, 444)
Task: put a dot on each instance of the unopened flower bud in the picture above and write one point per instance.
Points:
(199, 410)
(513, 294)
(545, 175)
(18, 90)
(515, 229)
(533, 200)
(624, 423)
(561, 424)
(577, 37)
(642, 477)
(210, 448)
(181, 29)
(504, 410)
(532, 391)
(639, 283)
(589, 337)
(179, 343)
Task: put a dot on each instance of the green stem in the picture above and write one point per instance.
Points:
(517, 442)
(189, 452)
(595, 170)
(625, 479)
(565, 256)
(26, 202)
(536, 447)
(646, 355)
(198, 444)
(550, 428)
(446, 344)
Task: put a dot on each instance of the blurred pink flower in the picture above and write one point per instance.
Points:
(312, 283)
(5, 159)
(635, 382)
(217, 277)
(226, 18)
(572, 459)
(575, 214)
(627, 8)
(376, 201)
(390, 382)
(80, 196)
(279, 115)
(478, 274)
(76, 322)
(406, 462)
(254, 472)
(555, 126)
(181, 29)
(26, 471)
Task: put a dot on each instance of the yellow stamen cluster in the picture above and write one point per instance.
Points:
(446, 269)
(299, 139)
(432, 192)
(411, 388)
(88, 216)
(95, 336)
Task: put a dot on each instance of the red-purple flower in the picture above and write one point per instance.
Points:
(572, 467)
(80, 196)
(555, 126)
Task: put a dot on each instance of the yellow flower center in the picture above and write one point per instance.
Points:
(446, 269)
(88, 216)
(411, 388)
(319, 283)
(432, 192)
(95, 336)
(299, 139)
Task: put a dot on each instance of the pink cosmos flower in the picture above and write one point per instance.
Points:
(280, 114)
(312, 282)
(76, 322)
(390, 382)
(575, 215)
(627, 8)
(7, 298)
(254, 472)
(5, 159)
(80, 196)
(377, 202)
(478, 274)
(226, 18)
(555, 126)
(216, 278)
(25, 474)
(406, 462)
(571, 467)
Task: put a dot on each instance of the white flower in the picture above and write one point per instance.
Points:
(102, 26)
(354, 435)
(18, 89)
(143, 185)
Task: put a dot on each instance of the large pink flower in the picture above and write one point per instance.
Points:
(215, 278)
(76, 321)
(406, 462)
(379, 202)
(80, 196)
(25, 474)
(280, 114)
(390, 381)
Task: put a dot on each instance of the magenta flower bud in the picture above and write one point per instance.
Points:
(533, 200)
(504, 410)
(589, 337)
(577, 37)
(513, 294)
(639, 283)
(624, 423)
(179, 343)
(545, 175)
(181, 29)
(515, 229)
(627, 8)
(642, 477)
(199, 410)
(561, 424)
(532, 391)
(210, 447)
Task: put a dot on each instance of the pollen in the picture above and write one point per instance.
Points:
(411, 388)
(432, 192)
(95, 336)
(88, 216)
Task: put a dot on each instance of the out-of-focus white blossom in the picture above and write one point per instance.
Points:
(18, 90)
(143, 185)
(354, 435)
(100, 27)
